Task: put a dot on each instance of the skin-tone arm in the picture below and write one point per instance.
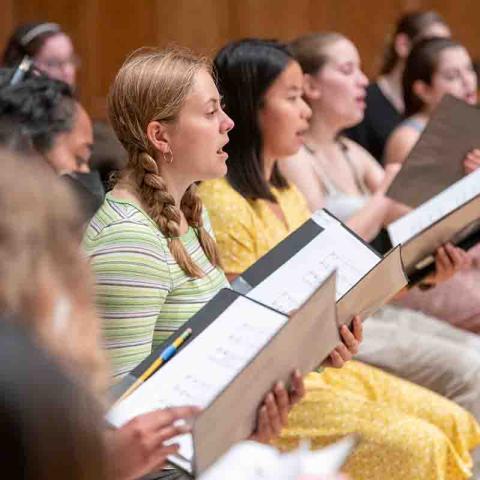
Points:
(368, 221)
(298, 170)
(399, 144)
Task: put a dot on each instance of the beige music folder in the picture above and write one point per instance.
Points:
(436, 160)
(304, 342)
(374, 290)
(238, 350)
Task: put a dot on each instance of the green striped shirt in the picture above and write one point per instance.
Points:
(142, 294)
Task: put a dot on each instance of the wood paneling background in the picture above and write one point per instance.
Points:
(105, 31)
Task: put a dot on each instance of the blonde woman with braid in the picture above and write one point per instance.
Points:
(150, 244)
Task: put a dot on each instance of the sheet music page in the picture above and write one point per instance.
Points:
(197, 374)
(434, 209)
(335, 248)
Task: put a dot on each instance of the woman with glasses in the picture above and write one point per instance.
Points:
(48, 46)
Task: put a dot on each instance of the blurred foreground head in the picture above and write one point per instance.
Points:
(49, 426)
(44, 277)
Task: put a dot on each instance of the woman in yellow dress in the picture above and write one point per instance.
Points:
(408, 432)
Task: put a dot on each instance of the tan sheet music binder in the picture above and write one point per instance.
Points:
(435, 162)
(304, 342)
(238, 349)
(374, 290)
(444, 230)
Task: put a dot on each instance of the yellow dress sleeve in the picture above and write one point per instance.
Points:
(233, 223)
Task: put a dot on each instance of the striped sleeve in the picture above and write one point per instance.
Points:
(132, 281)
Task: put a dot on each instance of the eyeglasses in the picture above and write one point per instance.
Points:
(24, 68)
(56, 64)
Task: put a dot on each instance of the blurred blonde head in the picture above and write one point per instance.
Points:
(43, 275)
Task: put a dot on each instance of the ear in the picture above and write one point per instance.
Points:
(422, 91)
(311, 87)
(402, 45)
(158, 136)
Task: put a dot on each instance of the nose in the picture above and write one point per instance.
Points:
(362, 79)
(68, 74)
(227, 123)
(470, 80)
(306, 110)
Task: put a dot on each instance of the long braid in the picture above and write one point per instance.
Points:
(192, 208)
(160, 205)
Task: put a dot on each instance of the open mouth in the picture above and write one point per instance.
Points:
(361, 100)
(302, 131)
(470, 97)
(221, 151)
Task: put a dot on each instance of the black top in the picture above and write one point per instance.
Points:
(88, 190)
(381, 118)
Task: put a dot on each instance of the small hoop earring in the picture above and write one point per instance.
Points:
(170, 158)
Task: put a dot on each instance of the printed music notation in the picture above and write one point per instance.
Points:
(334, 249)
(435, 209)
(214, 358)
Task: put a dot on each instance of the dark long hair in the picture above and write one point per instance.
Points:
(245, 70)
(422, 63)
(49, 427)
(27, 40)
(412, 24)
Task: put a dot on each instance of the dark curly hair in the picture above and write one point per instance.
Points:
(42, 106)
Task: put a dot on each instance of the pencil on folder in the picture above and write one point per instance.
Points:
(164, 356)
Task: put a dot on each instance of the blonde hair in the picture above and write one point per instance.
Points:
(152, 85)
(40, 234)
(311, 51)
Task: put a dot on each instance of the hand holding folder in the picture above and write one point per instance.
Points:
(451, 216)
(437, 159)
(238, 350)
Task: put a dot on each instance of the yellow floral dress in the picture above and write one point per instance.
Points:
(407, 431)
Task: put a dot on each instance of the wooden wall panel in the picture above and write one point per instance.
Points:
(105, 31)
(7, 20)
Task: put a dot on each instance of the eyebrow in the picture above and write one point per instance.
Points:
(215, 100)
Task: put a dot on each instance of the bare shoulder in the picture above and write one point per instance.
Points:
(358, 154)
(301, 161)
(400, 143)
